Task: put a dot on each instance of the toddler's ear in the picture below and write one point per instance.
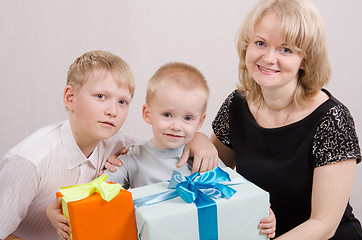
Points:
(201, 121)
(68, 97)
(146, 113)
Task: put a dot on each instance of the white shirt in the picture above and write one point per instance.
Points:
(32, 172)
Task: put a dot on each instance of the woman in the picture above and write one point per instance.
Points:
(285, 133)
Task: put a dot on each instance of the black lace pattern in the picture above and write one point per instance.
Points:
(335, 138)
(220, 125)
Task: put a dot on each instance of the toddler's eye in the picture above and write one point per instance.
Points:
(189, 118)
(101, 96)
(167, 115)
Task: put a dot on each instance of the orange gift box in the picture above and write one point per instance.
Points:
(95, 218)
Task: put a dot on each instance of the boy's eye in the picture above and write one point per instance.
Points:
(123, 102)
(167, 115)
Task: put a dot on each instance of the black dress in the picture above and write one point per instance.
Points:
(282, 160)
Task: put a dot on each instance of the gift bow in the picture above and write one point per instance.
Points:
(196, 185)
(81, 191)
(199, 189)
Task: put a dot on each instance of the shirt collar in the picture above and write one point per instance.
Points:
(74, 156)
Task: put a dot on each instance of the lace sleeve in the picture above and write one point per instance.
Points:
(220, 125)
(336, 139)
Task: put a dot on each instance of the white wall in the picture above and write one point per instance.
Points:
(39, 39)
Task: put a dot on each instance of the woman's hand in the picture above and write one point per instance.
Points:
(268, 224)
(203, 152)
(58, 220)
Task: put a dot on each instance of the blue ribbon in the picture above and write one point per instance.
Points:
(199, 189)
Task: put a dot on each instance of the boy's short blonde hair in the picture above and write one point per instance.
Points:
(97, 64)
(184, 75)
(302, 27)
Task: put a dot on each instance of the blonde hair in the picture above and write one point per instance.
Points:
(301, 27)
(185, 76)
(97, 64)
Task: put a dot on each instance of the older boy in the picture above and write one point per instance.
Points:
(175, 107)
(99, 89)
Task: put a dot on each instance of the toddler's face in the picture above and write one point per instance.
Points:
(175, 115)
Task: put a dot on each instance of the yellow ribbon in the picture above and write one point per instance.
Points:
(81, 191)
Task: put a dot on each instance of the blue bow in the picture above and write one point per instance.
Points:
(199, 189)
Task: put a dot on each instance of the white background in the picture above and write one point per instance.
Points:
(39, 39)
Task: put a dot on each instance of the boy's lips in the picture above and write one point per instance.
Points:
(107, 123)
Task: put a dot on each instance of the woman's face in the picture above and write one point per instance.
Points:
(270, 61)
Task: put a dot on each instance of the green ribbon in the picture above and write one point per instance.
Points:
(81, 191)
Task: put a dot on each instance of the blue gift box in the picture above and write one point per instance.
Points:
(174, 219)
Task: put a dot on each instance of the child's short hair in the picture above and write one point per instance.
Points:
(96, 64)
(182, 74)
(301, 26)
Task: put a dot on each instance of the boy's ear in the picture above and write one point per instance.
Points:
(201, 121)
(68, 97)
(146, 113)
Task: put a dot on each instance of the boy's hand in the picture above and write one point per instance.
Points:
(58, 220)
(113, 161)
(203, 152)
(268, 225)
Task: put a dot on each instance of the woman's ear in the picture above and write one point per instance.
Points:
(146, 113)
(68, 97)
(302, 64)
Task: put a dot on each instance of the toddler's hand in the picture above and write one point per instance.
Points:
(268, 224)
(58, 220)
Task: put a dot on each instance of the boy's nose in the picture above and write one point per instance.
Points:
(111, 110)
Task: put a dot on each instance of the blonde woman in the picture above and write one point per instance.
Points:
(283, 131)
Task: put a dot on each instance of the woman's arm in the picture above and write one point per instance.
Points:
(332, 185)
(203, 151)
(226, 154)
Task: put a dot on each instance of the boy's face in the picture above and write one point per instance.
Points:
(98, 109)
(175, 115)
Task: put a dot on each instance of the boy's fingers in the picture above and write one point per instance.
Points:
(64, 235)
(66, 222)
(114, 161)
(65, 228)
(110, 167)
(124, 150)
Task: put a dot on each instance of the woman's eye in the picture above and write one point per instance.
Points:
(286, 50)
(259, 43)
